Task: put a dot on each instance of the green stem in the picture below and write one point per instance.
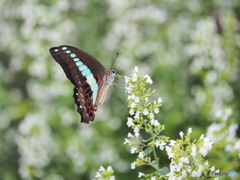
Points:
(154, 149)
(156, 157)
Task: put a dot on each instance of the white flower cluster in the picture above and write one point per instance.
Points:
(182, 166)
(102, 169)
(134, 100)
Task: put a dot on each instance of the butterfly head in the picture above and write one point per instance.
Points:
(111, 76)
(113, 71)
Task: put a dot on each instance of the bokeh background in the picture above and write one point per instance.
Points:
(190, 48)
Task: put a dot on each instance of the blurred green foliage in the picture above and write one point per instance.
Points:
(189, 47)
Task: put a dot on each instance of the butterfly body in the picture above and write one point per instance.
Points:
(90, 78)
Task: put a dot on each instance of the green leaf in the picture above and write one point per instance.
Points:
(153, 163)
(148, 150)
(163, 170)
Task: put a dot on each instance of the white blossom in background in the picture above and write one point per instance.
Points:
(35, 144)
(189, 130)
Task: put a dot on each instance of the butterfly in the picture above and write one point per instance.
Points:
(90, 78)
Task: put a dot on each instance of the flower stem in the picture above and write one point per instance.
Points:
(156, 157)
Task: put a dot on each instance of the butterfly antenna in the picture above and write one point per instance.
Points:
(114, 60)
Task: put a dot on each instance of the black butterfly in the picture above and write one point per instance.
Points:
(89, 76)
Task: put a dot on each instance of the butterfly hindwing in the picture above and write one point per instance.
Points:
(90, 78)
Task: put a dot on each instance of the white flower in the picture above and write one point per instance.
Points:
(102, 168)
(146, 99)
(133, 150)
(140, 174)
(109, 168)
(206, 164)
(227, 114)
(179, 166)
(145, 111)
(148, 79)
(162, 145)
(136, 131)
(128, 89)
(133, 105)
(194, 150)
(157, 143)
(184, 160)
(126, 79)
(189, 169)
(189, 130)
(134, 78)
(203, 151)
(172, 142)
(156, 110)
(130, 135)
(130, 122)
(196, 174)
(153, 178)
(137, 115)
(232, 132)
(218, 113)
(155, 122)
(131, 97)
(213, 168)
(137, 100)
(169, 152)
(135, 69)
(151, 116)
(98, 174)
(207, 145)
(184, 173)
(200, 167)
(160, 100)
(133, 166)
(126, 141)
(141, 155)
(181, 134)
(202, 136)
(131, 112)
(237, 145)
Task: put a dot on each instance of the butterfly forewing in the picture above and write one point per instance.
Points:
(90, 78)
